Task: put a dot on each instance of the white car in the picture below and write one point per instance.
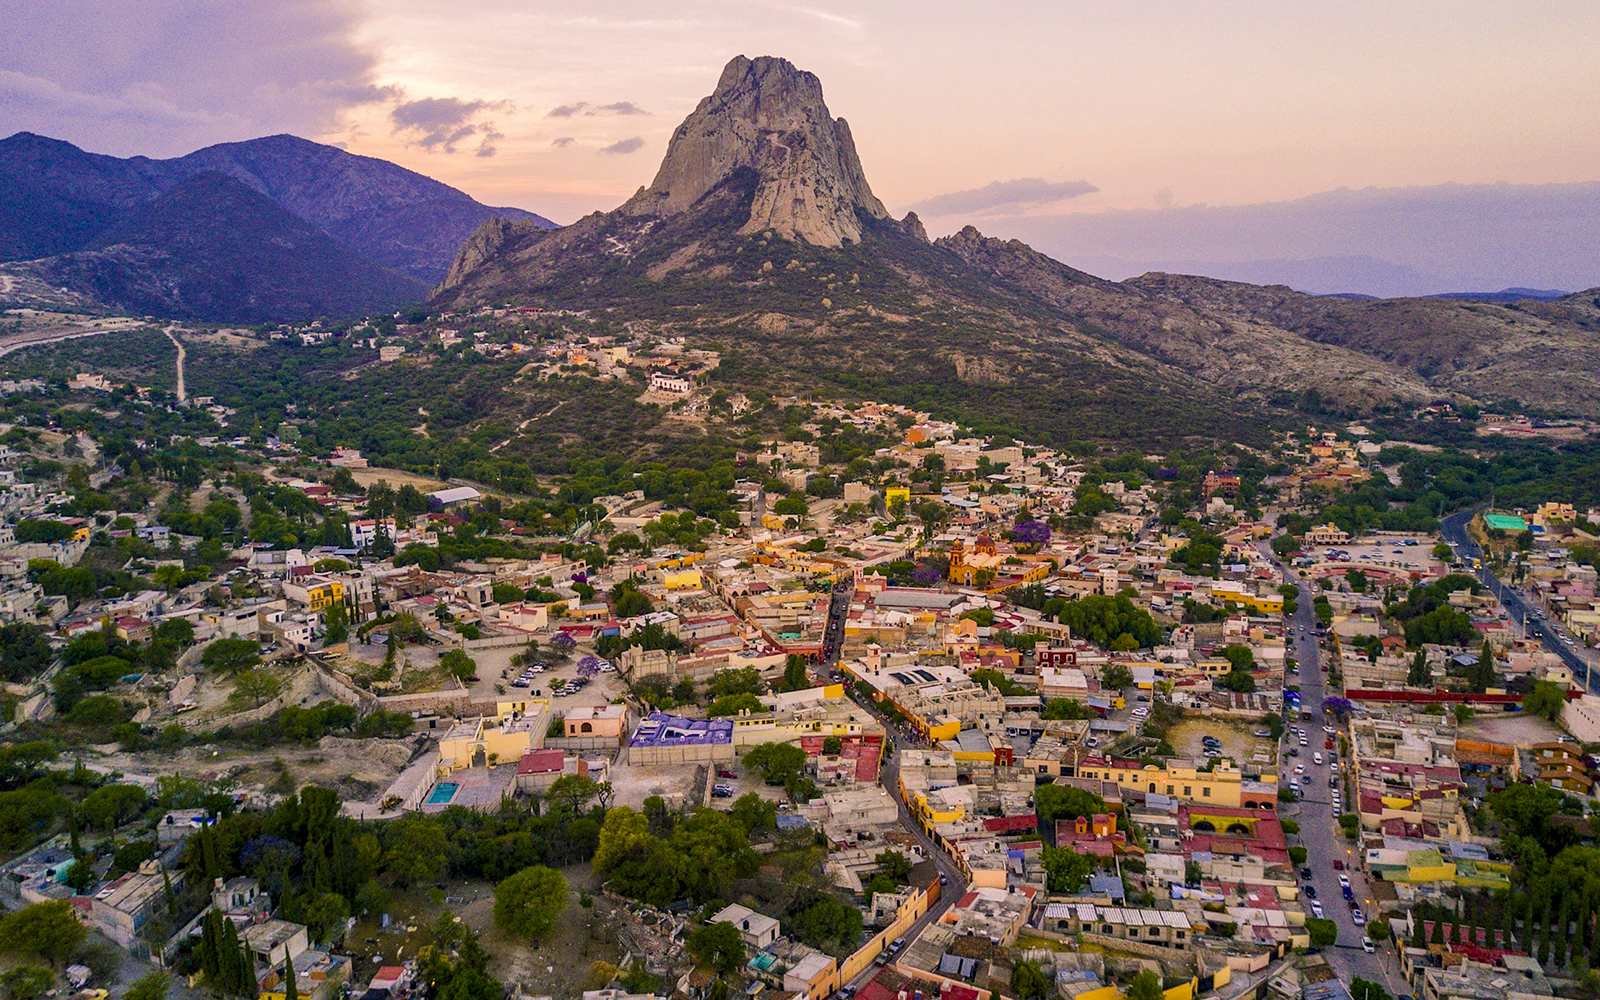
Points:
(1367, 946)
(1317, 758)
(1344, 879)
(1316, 908)
(1299, 769)
(1140, 712)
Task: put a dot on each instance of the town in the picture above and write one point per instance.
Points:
(892, 710)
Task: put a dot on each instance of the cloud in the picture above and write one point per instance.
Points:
(1001, 197)
(563, 142)
(488, 136)
(444, 122)
(624, 146)
(590, 111)
(619, 108)
(162, 77)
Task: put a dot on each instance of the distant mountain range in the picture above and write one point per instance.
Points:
(761, 234)
(102, 230)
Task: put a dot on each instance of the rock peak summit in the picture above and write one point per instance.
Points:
(769, 117)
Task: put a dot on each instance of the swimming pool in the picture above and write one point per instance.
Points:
(443, 792)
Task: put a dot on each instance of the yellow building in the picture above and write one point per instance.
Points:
(1236, 593)
(687, 579)
(1222, 786)
(896, 494)
(519, 727)
(316, 592)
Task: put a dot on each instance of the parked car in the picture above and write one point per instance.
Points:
(725, 773)
(1357, 917)
(1311, 892)
(1367, 946)
(721, 791)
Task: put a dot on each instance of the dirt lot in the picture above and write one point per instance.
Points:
(633, 784)
(355, 768)
(1510, 727)
(1235, 736)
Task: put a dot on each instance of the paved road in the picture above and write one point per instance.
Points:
(1319, 827)
(1454, 530)
(955, 885)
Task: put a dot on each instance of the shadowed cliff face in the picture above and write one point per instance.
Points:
(770, 117)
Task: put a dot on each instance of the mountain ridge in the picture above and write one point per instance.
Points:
(55, 197)
(212, 246)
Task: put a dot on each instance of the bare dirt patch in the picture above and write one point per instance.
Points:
(1235, 736)
(1519, 728)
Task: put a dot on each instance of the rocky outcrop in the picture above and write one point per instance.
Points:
(768, 116)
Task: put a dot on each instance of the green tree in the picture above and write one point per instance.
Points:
(1145, 986)
(1028, 981)
(794, 675)
(47, 931)
(459, 664)
(1324, 933)
(254, 688)
(1057, 802)
(623, 834)
(573, 791)
(418, 851)
(1066, 869)
(109, 806)
(893, 864)
(1116, 677)
(779, 763)
(336, 621)
(529, 903)
(28, 981)
(718, 946)
(1064, 708)
(1546, 698)
(830, 925)
(231, 655)
(24, 651)
(754, 813)
(735, 704)
(1419, 674)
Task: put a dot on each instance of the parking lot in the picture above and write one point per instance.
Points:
(1236, 739)
(1390, 553)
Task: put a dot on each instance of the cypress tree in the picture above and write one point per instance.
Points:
(249, 989)
(1437, 937)
(172, 899)
(1594, 949)
(211, 948)
(1563, 933)
(1418, 939)
(1544, 938)
(232, 974)
(290, 992)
